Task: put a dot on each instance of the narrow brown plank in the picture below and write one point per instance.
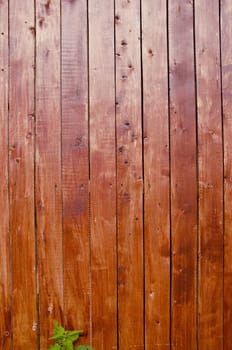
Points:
(75, 165)
(102, 173)
(210, 175)
(226, 46)
(129, 175)
(21, 148)
(156, 176)
(5, 296)
(48, 167)
(183, 174)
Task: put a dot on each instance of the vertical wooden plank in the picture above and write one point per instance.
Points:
(183, 174)
(5, 297)
(48, 166)
(75, 165)
(129, 174)
(156, 176)
(102, 173)
(210, 175)
(21, 148)
(226, 47)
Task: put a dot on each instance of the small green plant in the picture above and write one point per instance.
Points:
(64, 340)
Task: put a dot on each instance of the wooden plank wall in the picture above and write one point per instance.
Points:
(116, 173)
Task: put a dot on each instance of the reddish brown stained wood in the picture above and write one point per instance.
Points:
(21, 161)
(48, 167)
(129, 175)
(210, 176)
(183, 174)
(102, 173)
(5, 296)
(156, 176)
(226, 32)
(85, 167)
(75, 166)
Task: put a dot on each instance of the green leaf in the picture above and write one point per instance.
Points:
(59, 333)
(68, 345)
(57, 336)
(78, 331)
(74, 335)
(58, 330)
(75, 332)
(55, 347)
(64, 339)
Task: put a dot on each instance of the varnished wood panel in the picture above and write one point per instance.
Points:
(183, 175)
(75, 166)
(129, 174)
(5, 280)
(226, 56)
(115, 172)
(156, 176)
(48, 167)
(21, 172)
(210, 175)
(102, 174)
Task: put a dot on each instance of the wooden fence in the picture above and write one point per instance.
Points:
(116, 173)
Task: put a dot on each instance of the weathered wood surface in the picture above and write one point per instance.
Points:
(102, 174)
(183, 175)
(48, 167)
(226, 61)
(21, 171)
(75, 166)
(156, 176)
(129, 175)
(210, 156)
(5, 251)
(115, 172)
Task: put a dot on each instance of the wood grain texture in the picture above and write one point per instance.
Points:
(210, 175)
(226, 47)
(102, 174)
(129, 175)
(5, 277)
(48, 167)
(115, 173)
(75, 168)
(156, 176)
(21, 161)
(183, 174)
